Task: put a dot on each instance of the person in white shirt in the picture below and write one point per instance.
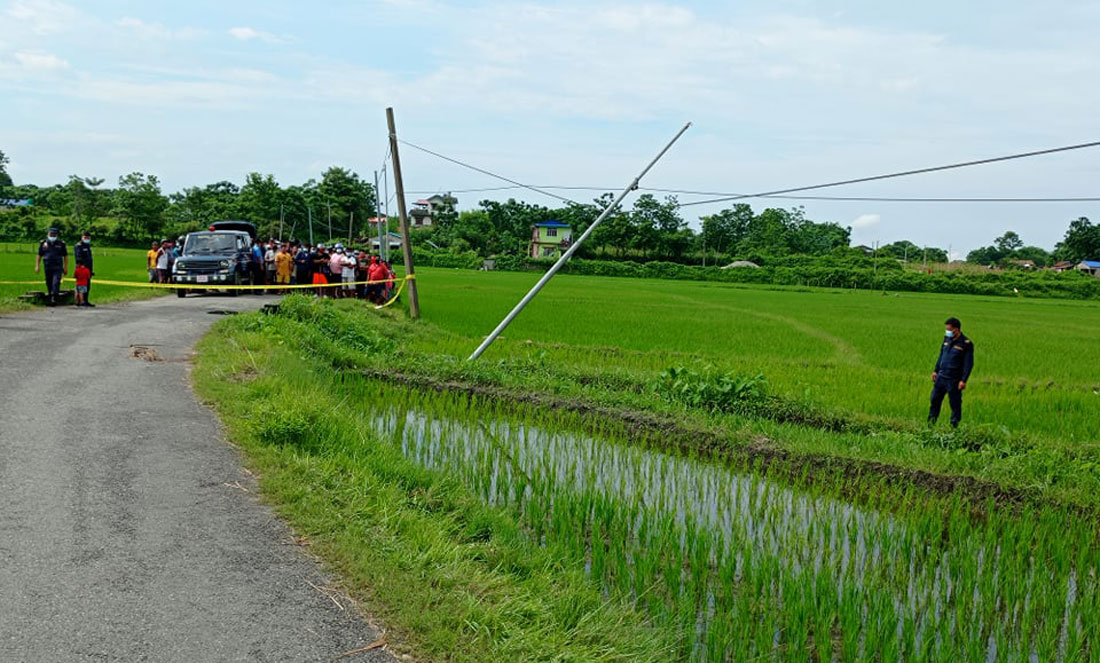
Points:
(348, 273)
(269, 262)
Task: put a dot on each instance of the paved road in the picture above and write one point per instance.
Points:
(126, 532)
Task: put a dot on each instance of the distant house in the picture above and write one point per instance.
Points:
(1024, 264)
(549, 238)
(866, 249)
(1090, 267)
(15, 203)
(1062, 266)
(393, 243)
(420, 216)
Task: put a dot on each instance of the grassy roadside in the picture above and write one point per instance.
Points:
(116, 264)
(451, 578)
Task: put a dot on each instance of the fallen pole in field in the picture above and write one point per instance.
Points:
(572, 249)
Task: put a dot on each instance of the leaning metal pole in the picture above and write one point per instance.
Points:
(571, 250)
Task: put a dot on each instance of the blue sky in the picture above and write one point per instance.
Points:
(574, 93)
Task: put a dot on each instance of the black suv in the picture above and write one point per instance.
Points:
(216, 257)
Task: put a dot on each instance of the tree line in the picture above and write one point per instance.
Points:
(652, 229)
(137, 209)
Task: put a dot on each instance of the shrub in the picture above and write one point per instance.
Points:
(712, 389)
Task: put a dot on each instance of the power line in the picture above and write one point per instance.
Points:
(689, 192)
(490, 173)
(904, 173)
(546, 190)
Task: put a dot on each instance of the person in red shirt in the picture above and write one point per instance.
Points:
(83, 277)
(376, 272)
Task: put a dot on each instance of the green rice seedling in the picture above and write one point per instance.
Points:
(701, 547)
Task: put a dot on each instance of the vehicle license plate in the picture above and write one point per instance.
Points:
(202, 279)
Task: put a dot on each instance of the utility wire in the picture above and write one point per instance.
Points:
(904, 173)
(779, 193)
(688, 192)
(489, 173)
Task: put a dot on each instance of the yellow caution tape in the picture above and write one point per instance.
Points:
(398, 293)
(221, 286)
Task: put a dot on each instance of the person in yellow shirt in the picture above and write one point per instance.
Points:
(151, 262)
(284, 266)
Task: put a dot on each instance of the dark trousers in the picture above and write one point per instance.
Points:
(53, 282)
(950, 388)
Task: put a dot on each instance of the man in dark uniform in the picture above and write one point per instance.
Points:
(83, 254)
(952, 371)
(55, 256)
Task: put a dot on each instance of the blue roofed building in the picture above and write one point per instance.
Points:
(549, 239)
(1090, 267)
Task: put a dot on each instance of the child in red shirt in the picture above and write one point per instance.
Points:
(83, 277)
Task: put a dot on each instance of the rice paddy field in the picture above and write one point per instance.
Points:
(1037, 362)
(674, 471)
(17, 264)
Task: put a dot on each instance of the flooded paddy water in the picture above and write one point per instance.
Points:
(748, 567)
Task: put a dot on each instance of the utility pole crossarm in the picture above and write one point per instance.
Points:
(572, 248)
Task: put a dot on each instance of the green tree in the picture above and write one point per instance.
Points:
(141, 206)
(653, 223)
(1008, 242)
(726, 229)
(1038, 255)
(259, 202)
(197, 207)
(5, 179)
(348, 196)
(767, 234)
(1081, 242)
(985, 255)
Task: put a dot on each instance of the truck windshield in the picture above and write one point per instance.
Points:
(198, 244)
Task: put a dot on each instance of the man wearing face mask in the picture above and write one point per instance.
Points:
(952, 371)
(83, 254)
(52, 254)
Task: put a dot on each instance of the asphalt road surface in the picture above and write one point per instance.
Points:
(129, 530)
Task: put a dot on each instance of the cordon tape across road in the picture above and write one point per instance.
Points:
(196, 286)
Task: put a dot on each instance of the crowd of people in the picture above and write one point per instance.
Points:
(274, 263)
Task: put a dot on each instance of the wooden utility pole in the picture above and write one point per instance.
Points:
(406, 246)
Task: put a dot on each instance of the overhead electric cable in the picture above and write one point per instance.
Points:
(887, 199)
(904, 173)
(490, 173)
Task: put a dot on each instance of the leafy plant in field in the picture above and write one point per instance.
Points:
(712, 389)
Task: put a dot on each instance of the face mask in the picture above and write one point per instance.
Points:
(948, 333)
(51, 238)
(86, 240)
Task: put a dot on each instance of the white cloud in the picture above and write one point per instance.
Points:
(245, 33)
(40, 61)
(42, 17)
(865, 220)
(147, 30)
